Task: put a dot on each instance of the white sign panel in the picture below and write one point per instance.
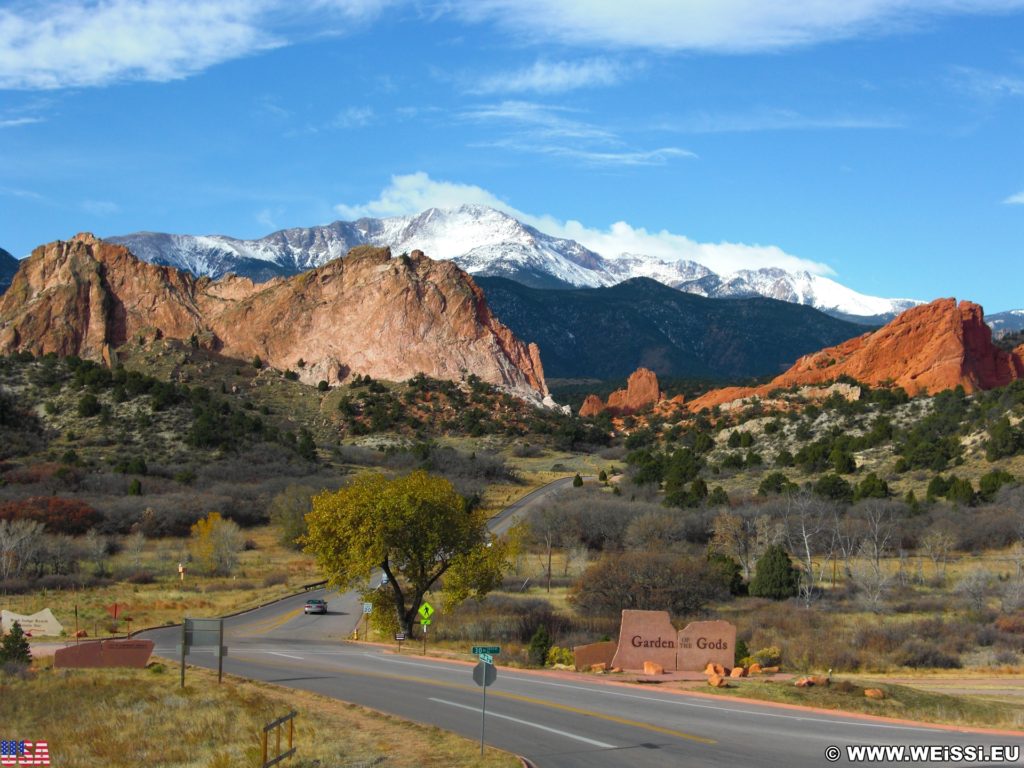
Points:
(42, 623)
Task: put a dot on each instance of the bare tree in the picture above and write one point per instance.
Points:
(975, 588)
(96, 550)
(937, 544)
(19, 540)
(807, 528)
(134, 543)
(870, 579)
(879, 518)
(744, 537)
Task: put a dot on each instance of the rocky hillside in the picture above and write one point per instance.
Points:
(607, 333)
(390, 318)
(926, 349)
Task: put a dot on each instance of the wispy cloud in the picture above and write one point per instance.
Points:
(553, 77)
(415, 192)
(1017, 199)
(543, 129)
(768, 119)
(14, 122)
(101, 207)
(48, 44)
(624, 157)
(723, 26)
(353, 117)
(986, 85)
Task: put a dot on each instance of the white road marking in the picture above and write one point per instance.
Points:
(566, 734)
(673, 701)
(286, 655)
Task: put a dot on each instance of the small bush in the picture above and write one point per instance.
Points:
(274, 579)
(921, 654)
(560, 656)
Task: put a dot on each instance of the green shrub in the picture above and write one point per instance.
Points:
(540, 644)
(769, 657)
(577, 481)
(88, 405)
(14, 647)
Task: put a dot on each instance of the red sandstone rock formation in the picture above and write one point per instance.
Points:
(367, 313)
(641, 391)
(926, 349)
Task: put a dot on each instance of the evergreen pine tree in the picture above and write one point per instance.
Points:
(774, 575)
(14, 647)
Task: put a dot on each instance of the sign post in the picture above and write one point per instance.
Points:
(426, 611)
(399, 637)
(203, 632)
(484, 674)
(367, 610)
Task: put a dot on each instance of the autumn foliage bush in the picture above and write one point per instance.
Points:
(57, 515)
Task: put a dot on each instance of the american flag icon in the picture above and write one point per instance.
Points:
(24, 753)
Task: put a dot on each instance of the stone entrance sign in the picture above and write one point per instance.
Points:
(585, 656)
(42, 623)
(645, 636)
(105, 653)
(706, 641)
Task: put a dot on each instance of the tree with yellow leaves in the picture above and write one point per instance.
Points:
(216, 543)
(417, 529)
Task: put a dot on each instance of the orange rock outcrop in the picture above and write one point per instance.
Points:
(926, 349)
(641, 392)
(367, 313)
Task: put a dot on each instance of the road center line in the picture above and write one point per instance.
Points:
(566, 734)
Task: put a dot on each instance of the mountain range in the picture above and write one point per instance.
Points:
(490, 243)
(606, 333)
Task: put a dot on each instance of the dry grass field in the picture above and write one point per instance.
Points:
(142, 717)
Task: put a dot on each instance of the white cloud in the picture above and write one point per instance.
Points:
(723, 26)
(14, 122)
(1017, 199)
(547, 130)
(765, 119)
(553, 77)
(101, 207)
(353, 117)
(81, 43)
(415, 192)
(412, 193)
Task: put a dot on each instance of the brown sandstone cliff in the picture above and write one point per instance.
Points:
(641, 391)
(926, 349)
(367, 313)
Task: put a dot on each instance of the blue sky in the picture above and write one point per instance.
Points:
(878, 141)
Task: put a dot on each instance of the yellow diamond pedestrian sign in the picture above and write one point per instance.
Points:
(426, 610)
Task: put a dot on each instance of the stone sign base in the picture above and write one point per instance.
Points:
(648, 640)
(706, 642)
(105, 653)
(645, 636)
(585, 656)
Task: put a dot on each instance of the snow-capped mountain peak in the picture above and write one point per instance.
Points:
(486, 241)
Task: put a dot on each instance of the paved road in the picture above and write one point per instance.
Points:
(552, 721)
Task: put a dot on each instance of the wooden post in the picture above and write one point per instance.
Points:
(263, 742)
(220, 653)
(291, 733)
(183, 652)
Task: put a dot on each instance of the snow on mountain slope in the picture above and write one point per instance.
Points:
(1002, 323)
(485, 241)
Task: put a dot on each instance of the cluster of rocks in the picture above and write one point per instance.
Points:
(719, 675)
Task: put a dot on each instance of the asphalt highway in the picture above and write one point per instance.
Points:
(553, 721)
